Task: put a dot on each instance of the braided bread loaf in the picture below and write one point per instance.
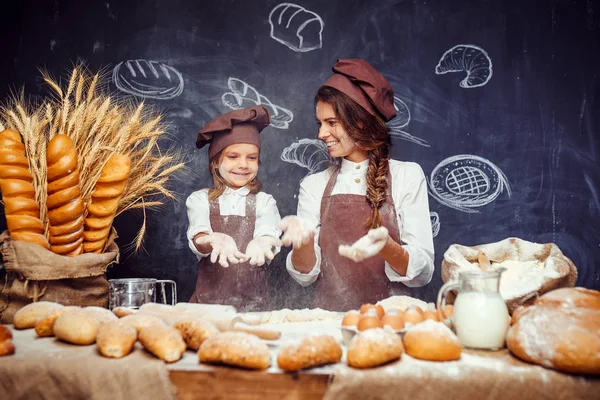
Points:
(16, 183)
(105, 201)
(65, 206)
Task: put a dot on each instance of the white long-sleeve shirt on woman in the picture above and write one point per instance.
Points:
(409, 192)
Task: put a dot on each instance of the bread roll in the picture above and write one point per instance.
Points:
(76, 327)
(237, 349)
(29, 315)
(195, 332)
(100, 315)
(45, 327)
(65, 206)
(123, 311)
(16, 183)
(559, 331)
(163, 341)
(5, 333)
(7, 348)
(311, 351)
(374, 347)
(116, 339)
(140, 321)
(433, 341)
(105, 202)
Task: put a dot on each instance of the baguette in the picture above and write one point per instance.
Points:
(16, 183)
(65, 206)
(105, 202)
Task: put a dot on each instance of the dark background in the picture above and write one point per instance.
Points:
(536, 119)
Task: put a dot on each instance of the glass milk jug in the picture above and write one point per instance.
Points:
(480, 316)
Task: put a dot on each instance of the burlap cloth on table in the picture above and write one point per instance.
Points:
(477, 375)
(45, 368)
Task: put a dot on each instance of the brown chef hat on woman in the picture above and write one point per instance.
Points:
(238, 126)
(362, 83)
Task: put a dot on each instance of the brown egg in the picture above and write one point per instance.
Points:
(393, 319)
(369, 321)
(431, 314)
(413, 315)
(366, 307)
(351, 318)
(448, 310)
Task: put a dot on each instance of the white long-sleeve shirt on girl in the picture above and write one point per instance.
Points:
(409, 191)
(231, 202)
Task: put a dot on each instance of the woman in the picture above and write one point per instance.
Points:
(362, 232)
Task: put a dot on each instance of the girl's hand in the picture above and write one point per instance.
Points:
(260, 249)
(295, 231)
(223, 248)
(367, 246)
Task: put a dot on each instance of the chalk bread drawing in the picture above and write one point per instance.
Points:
(469, 58)
(435, 223)
(296, 27)
(401, 120)
(243, 95)
(465, 182)
(311, 154)
(149, 79)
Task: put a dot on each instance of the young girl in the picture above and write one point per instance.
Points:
(362, 231)
(233, 226)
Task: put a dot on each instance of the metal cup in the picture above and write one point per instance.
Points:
(132, 293)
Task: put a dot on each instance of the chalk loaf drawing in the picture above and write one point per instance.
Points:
(243, 95)
(435, 223)
(296, 27)
(465, 182)
(311, 154)
(469, 58)
(149, 79)
(401, 120)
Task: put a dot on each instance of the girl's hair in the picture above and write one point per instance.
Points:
(370, 133)
(219, 184)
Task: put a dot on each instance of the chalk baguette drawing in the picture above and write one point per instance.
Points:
(243, 95)
(401, 120)
(311, 154)
(148, 79)
(465, 182)
(435, 223)
(469, 58)
(296, 27)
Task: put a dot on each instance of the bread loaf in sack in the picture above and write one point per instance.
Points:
(16, 183)
(105, 201)
(65, 206)
(561, 330)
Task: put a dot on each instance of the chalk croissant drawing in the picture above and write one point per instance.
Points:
(311, 154)
(296, 27)
(435, 223)
(148, 79)
(466, 182)
(468, 58)
(243, 95)
(401, 120)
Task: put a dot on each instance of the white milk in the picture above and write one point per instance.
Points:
(480, 319)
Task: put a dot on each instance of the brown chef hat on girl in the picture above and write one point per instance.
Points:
(238, 126)
(362, 83)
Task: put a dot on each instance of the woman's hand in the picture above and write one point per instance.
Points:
(367, 246)
(295, 231)
(223, 248)
(261, 249)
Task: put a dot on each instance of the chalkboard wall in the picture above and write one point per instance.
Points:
(498, 101)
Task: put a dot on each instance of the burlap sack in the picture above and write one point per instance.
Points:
(34, 273)
(558, 271)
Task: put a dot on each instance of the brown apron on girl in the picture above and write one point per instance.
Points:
(243, 286)
(344, 284)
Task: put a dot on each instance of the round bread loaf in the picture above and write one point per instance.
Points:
(433, 341)
(374, 347)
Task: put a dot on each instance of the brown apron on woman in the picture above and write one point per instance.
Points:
(243, 286)
(344, 284)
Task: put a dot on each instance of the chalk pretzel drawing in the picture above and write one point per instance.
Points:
(311, 154)
(466, 182)
(243, 95)
(472, 59)
(148, 79)
(401, 120)
(435, 223)
(296, 27)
